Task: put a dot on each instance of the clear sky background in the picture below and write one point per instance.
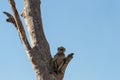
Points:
(89, 28)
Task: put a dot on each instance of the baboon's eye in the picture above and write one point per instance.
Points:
(62, 49)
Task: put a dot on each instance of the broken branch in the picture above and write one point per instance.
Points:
(15, 19)
(10, 19)
(68, 59)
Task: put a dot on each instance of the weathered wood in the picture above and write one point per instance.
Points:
(10, 19)
(39, 51)
(15, 19)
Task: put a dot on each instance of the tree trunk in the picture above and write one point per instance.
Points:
(38, 51)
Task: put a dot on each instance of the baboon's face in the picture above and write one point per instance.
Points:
(61, 50)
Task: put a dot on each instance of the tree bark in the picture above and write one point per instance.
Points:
(38, 51)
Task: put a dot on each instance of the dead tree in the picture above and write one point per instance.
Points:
(45, 67)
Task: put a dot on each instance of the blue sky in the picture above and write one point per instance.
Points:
(89, 28)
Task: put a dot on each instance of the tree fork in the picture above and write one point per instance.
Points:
(39, 51)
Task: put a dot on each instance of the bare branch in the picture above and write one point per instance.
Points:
(10, 19)
(33, 20)
(15, 19)
(68, 59)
